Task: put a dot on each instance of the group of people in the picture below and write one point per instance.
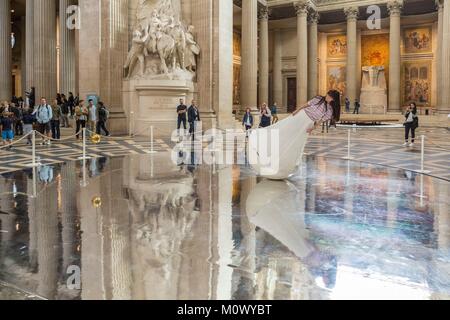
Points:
(189, 115)
(268, 117)
(348, 105)
(18, 117)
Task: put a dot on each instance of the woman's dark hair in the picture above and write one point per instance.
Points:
(414, 111)
(336, 105)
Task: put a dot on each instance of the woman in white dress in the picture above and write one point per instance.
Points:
(276, 152)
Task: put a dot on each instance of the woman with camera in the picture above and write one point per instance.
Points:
(411, 124)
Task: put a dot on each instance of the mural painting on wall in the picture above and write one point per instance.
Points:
(336, 76)
(375, 51)
(337, 46)
(418, 40)
(417, 82)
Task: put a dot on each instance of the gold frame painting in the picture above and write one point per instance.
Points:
(337, 46)
(417, 82)
(418, 40)
(337, 78)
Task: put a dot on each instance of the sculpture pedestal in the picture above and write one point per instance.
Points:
(153, 103)
(373, 101)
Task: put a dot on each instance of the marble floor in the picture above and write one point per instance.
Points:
(140, 227)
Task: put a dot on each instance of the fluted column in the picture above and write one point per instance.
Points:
(301, 8)
(5, 51)
(277, 69)
(395, 8)
(445, 63)
(45, 49)
(312, 55)
(249, 75)
(29, 69)
(440, 7)
(66, 51)
(264, 55)
(352, 52)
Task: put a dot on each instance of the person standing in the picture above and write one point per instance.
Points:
(44, 115)
(18, 114)
(274, 111)
(182, 119)
(6, 124)
(28, 121)
(347, 105)
(92, 116)
(72, 104)
(56, 122)
(248, 120)
(266, 117)
(411, 124)
(103, 115)
(65, 111)
(81, 115)
(194, 118)
(357, 107)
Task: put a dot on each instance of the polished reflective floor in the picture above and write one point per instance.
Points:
(140, 227)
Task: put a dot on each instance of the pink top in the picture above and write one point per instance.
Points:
(317, 111)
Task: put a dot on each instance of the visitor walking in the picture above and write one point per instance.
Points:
(411, 124)
(71, 101)
(28, 121)
(81, 115)
(182, 116)
(266, 117)
(103, 115)
(6, 127)
(347, 105)
(274, 111)
(357, 107)
(55, 122)
(248, 120)
(65, 113)
(92, 116)
(44, 115)
(194, 118)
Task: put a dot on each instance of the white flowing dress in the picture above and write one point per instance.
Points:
(277, 151)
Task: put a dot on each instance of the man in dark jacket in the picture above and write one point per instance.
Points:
(181, 111)
(103, 115)
(193, 117)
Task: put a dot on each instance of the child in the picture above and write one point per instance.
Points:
(7, 129)
(28, 121)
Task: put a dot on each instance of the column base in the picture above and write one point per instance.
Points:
(118, 124)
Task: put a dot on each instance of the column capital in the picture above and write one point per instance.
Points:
(314, 17)
(264, 13)
(301, 7)
(351, 13)
(439, 4)
(395, 7)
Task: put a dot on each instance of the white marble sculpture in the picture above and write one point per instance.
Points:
(164, 46)
(374, 90)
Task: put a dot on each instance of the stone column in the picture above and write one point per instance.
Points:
(45, 49)
(445, 62)
(312, 55)
(394, 8)
(66, 51)
(249, 74)
(29, 14)
(440, 7)
(23, 57)
(352, 52)
(277, 69)
(301, 8)
(264, 55)
(5, 51)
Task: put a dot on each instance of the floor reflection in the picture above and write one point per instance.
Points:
(141, 228)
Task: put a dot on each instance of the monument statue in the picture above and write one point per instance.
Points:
(374, 90)
(164, 46)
